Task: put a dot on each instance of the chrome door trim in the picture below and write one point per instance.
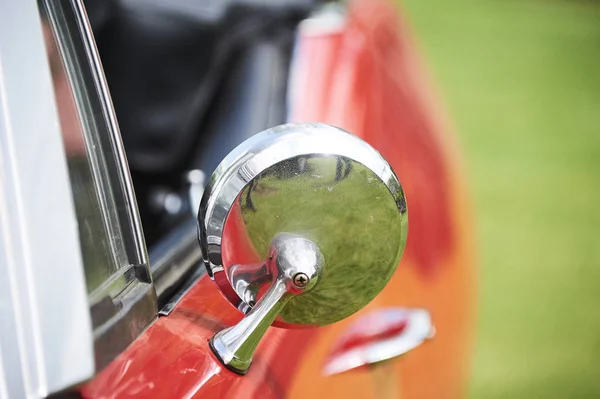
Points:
(174, 260)
(46, 340)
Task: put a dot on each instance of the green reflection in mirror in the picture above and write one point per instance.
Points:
(347, 211)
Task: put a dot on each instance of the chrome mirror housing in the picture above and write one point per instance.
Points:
(301, 225)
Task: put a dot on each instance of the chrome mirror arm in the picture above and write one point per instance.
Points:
(296, 264)
(235, 345)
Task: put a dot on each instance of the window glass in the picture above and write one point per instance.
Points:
(107, 233)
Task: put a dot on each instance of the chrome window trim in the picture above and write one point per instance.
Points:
(110, 116)
(126, 304)
(175, 260)
(46, 339)
(96, 87)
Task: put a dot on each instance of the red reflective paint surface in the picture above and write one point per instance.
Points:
(366, 78)
(172, 359)
(236, 250)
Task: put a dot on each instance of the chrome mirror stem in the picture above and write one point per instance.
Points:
(296, 264)
(235, 345)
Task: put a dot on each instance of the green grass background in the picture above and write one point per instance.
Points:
(521, 80)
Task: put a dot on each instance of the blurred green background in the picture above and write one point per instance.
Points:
(521, 80)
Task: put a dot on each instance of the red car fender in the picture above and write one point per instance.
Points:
(364, 76)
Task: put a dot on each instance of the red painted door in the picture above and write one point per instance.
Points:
(362, 75)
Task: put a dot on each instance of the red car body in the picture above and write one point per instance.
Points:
(366, 77)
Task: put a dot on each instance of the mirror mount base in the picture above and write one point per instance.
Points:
(295, 264)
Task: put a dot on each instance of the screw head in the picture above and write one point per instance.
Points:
(300, 280)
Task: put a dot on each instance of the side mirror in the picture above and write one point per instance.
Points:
(301, 225)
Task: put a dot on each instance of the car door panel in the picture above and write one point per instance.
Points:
(363, 75)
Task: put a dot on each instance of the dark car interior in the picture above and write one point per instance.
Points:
(191, 79)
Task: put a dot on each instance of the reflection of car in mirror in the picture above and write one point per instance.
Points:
(265, 260)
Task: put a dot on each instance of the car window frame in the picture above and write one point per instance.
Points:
(77, 49)
(126, 304)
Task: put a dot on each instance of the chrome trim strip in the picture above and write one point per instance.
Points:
(174, 259)
(46, 341)
(110, 116)
(188, 284)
